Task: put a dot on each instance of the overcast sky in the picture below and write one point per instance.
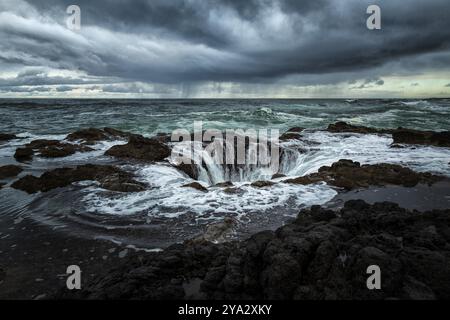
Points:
(225, 49)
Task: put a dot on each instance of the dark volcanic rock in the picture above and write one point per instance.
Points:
(114, 133)
(262, 184)
(196, 185)
(296, 129)
(23, 154)
(218, 232)
(48, 149)
(94, 135)
(7, 136)
(110, 177)
(409, 136)
(2, 185)
(400, 135)
(345, 127)
(121, 183)
(89, 136)
(141, 148)
(9, 171)
(350, 175)
(190, 169)
(309, 179)
(320, 255)
(61, 150)
(278, 175)
(292, 134)
(225, 184)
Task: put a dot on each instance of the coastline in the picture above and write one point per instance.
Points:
(33, 256)
(35, 276)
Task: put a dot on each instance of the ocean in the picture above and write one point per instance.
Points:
(167, 212)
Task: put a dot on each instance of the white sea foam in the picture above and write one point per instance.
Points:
(168, 198)
(367, 149)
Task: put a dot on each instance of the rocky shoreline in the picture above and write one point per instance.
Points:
(322, 254)
(342, 174)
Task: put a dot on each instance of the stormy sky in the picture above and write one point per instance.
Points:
(225, 49)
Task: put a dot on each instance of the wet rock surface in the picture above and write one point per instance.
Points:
(91, 136)
(140, 148)
(196, 185)
(48, 149)
(278, 175)
(320, 255)
(9, 171)
(292, 134)
(399, 135)
(341, 126)
(409, 136)
(110, 177)
(225, 184)
(190, 169)
(350, 175)
(216, 232)
(262, 184)
(7, 136)
(23, 154)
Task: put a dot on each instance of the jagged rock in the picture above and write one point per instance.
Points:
(190, 169)
(62, 150)
(163, 137)
(319, 255)
(7, 136)
(23, 154)
(217, 232)
(233, 190)
(278, 175)
(91, 136)
(42, 143)
(196, 185)
(108, 176)
(29, 184)
(140, 148)
(48, 149)
(400, 135)
(296, 129)
(350, 175)
(342, 126)
(225, 184)
(290, 136)
(9, 171)
(121, 183)
(114, 133)
(262, 184)
(88, 136)
(309, 179)
(410, 136)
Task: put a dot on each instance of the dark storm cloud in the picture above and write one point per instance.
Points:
(370, 83)
(33, 77)
(253, 41)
